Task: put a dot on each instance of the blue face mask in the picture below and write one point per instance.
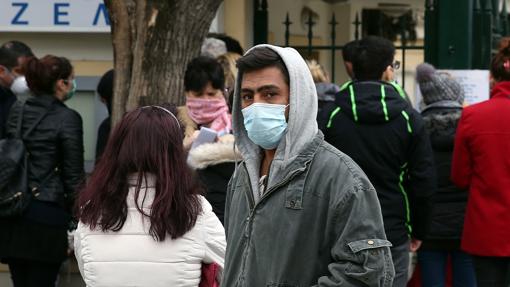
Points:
(265, 124)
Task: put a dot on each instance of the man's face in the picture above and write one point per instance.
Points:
(7, 76)
(266, 86)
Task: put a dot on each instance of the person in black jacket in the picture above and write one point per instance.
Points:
(377, 127)
(12, 80)
(105, 91)
(443, 98)
(35, 244)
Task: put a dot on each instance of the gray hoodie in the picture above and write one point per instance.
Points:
(319, 221)
(302, 125)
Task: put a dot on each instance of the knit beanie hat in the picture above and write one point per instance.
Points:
(213, 47)
(437, 86)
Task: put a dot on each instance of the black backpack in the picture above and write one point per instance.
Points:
(14, 193)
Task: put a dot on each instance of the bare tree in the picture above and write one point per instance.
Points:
(153, 40)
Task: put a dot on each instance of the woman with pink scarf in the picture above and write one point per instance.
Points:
(206, 107)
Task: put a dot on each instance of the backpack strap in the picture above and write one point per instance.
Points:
(31, 128)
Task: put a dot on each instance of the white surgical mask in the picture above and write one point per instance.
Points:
(19, 86)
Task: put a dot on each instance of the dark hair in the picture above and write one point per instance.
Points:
(105, 88)
(232, 44)
(500, 64)
(260, 58)
(146, 141)
(374, 54)
(20, 49)
(8, 58)
(42, 74)
(349, 51)
(202, 70)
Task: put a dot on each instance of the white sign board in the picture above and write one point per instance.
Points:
(474, 82)
(53, 16)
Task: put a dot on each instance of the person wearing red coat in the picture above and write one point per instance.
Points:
(481, 162)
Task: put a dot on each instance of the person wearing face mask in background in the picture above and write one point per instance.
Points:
(35, 244)
(206, 107)
(13, 85)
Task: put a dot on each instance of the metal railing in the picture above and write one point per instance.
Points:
(333, 48)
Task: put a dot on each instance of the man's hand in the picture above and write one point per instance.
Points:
(415, 245)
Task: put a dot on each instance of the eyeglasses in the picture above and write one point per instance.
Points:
(395, 65)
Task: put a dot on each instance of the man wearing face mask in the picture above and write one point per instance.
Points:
(299, 212)
(13, 85)
(375, 125)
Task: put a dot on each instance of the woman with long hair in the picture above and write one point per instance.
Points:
(481, 162)
(35, 243)
(142, 219)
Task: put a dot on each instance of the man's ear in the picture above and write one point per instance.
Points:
(387, 74)
(3, 71)
(17, 71)
(60, 85)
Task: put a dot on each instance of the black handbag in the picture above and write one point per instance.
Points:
(14, 193)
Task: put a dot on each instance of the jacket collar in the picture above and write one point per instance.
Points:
(501, 90)
(298, 163)
(209, 154)
(371, 101)
(42, 100)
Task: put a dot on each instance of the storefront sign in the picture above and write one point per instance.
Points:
(53, 16)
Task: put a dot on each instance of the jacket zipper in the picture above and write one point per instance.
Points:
(253, 207)
(251, 199)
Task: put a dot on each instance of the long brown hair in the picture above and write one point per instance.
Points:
(148, 140)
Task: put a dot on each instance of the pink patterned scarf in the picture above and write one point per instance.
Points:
(210, 111)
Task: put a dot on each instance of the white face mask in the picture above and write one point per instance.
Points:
(19, 86)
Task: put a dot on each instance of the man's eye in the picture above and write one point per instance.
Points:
(247, 97)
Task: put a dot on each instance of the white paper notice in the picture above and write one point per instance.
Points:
(474, 82)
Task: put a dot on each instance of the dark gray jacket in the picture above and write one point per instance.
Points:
(319, 221)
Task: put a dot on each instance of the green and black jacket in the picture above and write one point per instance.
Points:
(372, 122)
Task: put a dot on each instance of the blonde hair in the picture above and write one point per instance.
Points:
(319, 75)
(228, 63)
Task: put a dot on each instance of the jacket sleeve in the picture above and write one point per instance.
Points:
(361, 254)
(215, 243)
(462, 163)
(71, 146)
(77, 248)
(12, 120)
(421, 180)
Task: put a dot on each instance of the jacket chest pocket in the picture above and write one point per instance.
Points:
(295, 192)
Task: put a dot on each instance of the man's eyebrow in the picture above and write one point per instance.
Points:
(267, 87)
(246, 90)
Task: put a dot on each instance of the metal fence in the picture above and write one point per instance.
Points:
(333, 48)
